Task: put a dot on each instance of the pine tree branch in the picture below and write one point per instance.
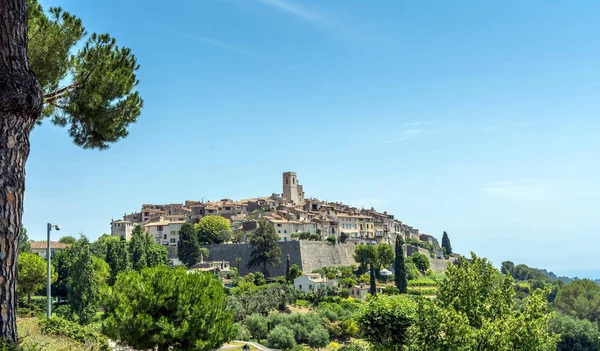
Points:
(64, 108)
(57, 94)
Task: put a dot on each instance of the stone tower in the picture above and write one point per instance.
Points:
(290, 187)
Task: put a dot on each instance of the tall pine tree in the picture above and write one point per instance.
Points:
(188, 249)
(117, 257)
(46, 71)
(446, 244)
(84, 293)
(137, 248)
(400, 267)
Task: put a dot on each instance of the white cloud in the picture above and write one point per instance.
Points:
(525, 189)
(405, 135)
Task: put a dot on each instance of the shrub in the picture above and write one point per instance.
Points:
(331, 239)
(281, 338)
(422, 282)
(318, 338)
(243, 333)
(62, 327)
(421, 261)
(257, 325)
(391, 290)
(430, 291)
(354, 346)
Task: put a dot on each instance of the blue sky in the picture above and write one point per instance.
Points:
(475, 117)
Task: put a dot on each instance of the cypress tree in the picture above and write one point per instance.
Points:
(446, 244)
(188, 248)
(400, 267)
(287, 269)
(373, 287)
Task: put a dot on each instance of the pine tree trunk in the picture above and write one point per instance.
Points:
(20, 106)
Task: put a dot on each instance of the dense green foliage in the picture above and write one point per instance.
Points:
(265, 249)
(188, 248)
(98, 101)
(474, 304)
(446, 246)
(575, 334)
(118, 258)
(67, 240)
(24, 244)
(399, 266)
(32, 275)
(421, 261)
(83, 282)
(281, 338)
(372, 281)
(209, 227)
(100, 246)
(581, 299)
(137, 248)
(162, 307)
(62, 327)
(294, 273)
(384, 321)
(423, 244)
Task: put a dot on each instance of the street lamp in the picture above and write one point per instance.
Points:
(48, 288)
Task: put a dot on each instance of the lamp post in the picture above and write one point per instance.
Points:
(48, 271)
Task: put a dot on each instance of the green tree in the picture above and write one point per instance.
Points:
(258, 325)
(474, 304)
(265, 249)
(385, 319)
(318, 338)
(157, 255)
(32, 275)
(399, 266)
(365, 255)
(117, 257)
(188, 249)
(421, 261)
(446, 244)
(83, 282)
(294, 273)
(507, 267)
(209, 227)
(575, 334)
(101, 270)
(163, 306)
(281, 338)
(100, 246)
(372, 281)
(223, 236)
(137, 248)
(581, 299)
(38, 52)
(67, 240)
(24, 244)
(62, 262)
(343, 237)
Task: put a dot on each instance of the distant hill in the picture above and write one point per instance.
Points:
(524, 272)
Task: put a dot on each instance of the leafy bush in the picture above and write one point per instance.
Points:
(62, 327)
(318, 338)
(423, 244)
(37, 308)
(257, 325)
(331, 239)
(422, 282)
(421, 261)
(281, 338)
(354, 346)
(431, 291)
(391, 290)
(575, 334)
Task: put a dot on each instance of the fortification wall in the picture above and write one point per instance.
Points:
(308, 255)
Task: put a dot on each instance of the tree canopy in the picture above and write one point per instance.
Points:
(188, 249)
(24, 244)
(265, 249)
(162, 307)
(32, 274)
(209, 227)
(67, 240)
(84, 282)
(97, 100)
(400, 267)
(446, 246)
(581, 299)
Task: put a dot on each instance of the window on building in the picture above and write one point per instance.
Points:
(279, 232)
(165, 236)
(173, 240)
(159, 228)
(285, 231)
(173, 232)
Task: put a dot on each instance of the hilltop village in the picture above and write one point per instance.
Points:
(290, 213)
